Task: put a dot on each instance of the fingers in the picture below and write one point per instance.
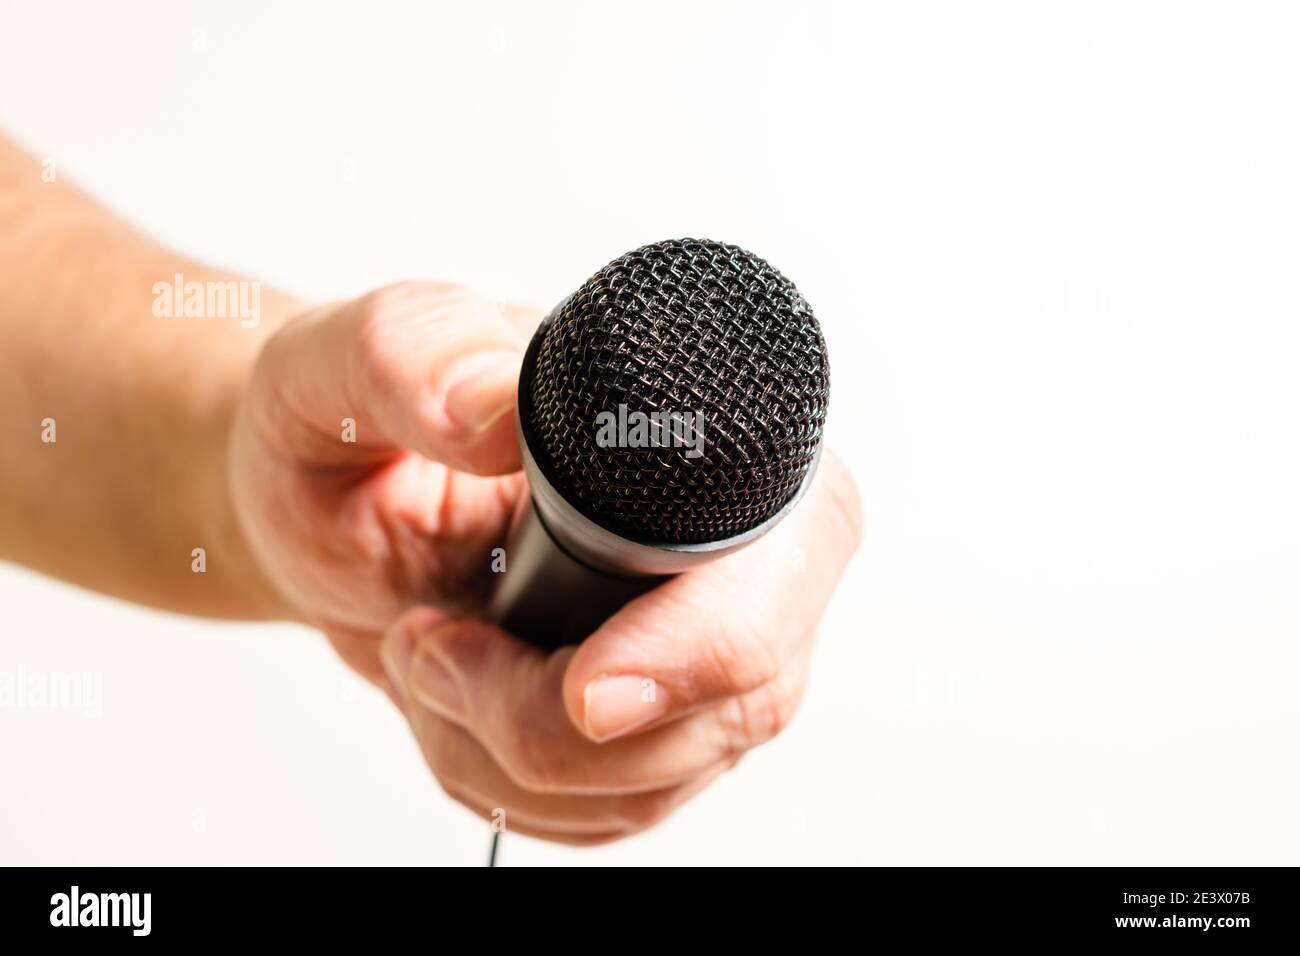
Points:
(467, 772)
(507, 696)
(472, 774)
(669, 692)
(425, 366)
(721, 631)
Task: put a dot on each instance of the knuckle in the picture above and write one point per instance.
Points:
(739, 659)
(759, 716)
(733, 736)
(383, 332)
(529, 759)
(778, 713)
(380, 359)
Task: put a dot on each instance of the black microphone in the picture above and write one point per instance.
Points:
(670, 412)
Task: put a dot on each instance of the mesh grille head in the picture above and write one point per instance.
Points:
(678, 328)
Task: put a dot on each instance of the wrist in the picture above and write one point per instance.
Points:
(249, 590)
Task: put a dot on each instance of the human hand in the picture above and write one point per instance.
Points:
(581, 745)
(359, 453)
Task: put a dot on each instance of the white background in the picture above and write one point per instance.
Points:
(1054, 249)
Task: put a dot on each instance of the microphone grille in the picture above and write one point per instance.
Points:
(682, 328)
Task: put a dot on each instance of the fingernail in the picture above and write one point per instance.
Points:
(434, 685)
(482, 389)
(613, 706)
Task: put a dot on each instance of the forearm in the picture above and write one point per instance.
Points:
(114, 419)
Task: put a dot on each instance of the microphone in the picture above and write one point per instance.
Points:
(670, 412)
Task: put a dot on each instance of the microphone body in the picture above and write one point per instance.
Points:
(629, 523)
(549, 597)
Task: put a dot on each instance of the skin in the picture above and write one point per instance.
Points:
(181, 433)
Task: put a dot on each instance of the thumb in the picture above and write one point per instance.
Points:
(424, 366)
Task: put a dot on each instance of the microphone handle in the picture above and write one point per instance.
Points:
(547, 596)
